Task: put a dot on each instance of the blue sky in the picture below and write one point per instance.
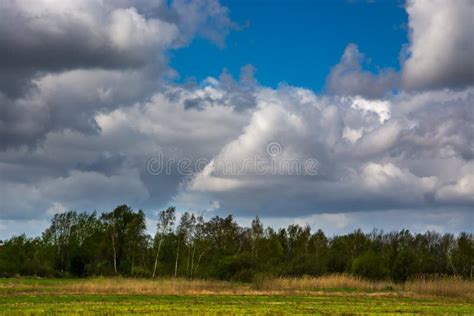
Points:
(297, 42)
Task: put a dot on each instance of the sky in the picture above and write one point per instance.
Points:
(309, 36)
(336, 114)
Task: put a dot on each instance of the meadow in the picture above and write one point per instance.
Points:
(327, 295)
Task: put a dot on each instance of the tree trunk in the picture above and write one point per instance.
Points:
(192, 261)
(115, 254)
(176, 262)
(156, 258)
(187, 262)
(133, 262)
(199, 259)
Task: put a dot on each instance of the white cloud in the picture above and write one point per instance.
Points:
(441, 45)
(61, 64)
(397, 158)
(460, 191)
(380, 107)
(128, 30)
(385, 166)
(349, 78)
(82, 135)
(89, 172)
(385, 179)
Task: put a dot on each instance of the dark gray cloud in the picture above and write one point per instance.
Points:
(47, 36)
(128, 138)
(61, 64)
(69, 100)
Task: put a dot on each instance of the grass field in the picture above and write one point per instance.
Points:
(317, 296)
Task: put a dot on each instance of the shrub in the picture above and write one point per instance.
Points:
(370, 266)
(404, 266)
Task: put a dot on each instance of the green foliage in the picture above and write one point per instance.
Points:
(84, 244)
(370, 265)
(404, 266)
(463, 255)
(237, 267)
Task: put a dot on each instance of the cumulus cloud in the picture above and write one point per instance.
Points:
(226, 90)
(69, 100)
(349, 78)
(61, 64)
(47, 36)
(80, 125)
(393, 163)
(51, 36)
(438, 55)
(409, 152)
(460, 191)
(84, 171)
(441, 45)
(406, 151)
(81, 189)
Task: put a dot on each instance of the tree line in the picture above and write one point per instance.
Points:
(117, 243)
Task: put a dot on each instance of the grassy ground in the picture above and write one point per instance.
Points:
(132, 296)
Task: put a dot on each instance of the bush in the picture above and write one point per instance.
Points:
(235, 267)
(370, 266)
(140, 272)
(245, 275)
(404, 266)
(77, 266)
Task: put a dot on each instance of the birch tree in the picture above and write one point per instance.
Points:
(163, 228)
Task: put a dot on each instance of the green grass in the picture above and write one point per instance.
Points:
(231, 305)
(44, 296)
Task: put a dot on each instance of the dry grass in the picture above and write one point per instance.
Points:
(154, 287)
(337, 284)
(334, 281)
(440, 286)
(450, 287)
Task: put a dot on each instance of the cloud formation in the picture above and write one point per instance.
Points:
(49, 36)
(404, 152)
(349, 78)
(128, 137)
(62, 63)
(441, 45)
(393, 162)
(85, 104)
